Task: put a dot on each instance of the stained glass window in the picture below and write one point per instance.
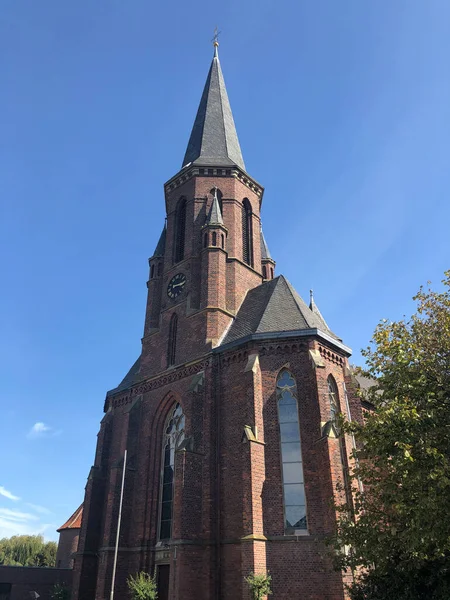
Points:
(173, 436)
(291, 454)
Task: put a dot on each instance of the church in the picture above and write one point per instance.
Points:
(219, 448)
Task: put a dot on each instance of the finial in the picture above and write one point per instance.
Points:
(311, 295)
(215, 41)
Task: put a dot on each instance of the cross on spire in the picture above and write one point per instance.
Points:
(215, 39)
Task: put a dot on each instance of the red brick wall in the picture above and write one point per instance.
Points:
(67, 545)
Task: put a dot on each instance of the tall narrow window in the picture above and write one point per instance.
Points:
(333, 398)
(152, 271)
(180, 230)
(247, 233)
(264, 272)
(173, 436)
(214, 238)
(172, 348)
(291, 455)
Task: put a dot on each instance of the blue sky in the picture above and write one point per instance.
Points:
(343, 114)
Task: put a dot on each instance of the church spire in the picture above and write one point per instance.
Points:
(214, 141)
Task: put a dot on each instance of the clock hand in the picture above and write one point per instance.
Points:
(174, 285)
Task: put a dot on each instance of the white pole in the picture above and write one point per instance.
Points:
(118, 526)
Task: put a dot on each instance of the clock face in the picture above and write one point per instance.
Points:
(176, 285)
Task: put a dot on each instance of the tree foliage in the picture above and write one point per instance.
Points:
(143, 586)
(259, 585)
(397, 533)
(27, 551)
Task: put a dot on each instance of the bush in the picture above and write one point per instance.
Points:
(59, 592)
(259, 585)
(143, 586)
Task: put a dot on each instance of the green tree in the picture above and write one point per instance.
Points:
(259, 585)
(397, 533)
(143, 586)
(28, 551)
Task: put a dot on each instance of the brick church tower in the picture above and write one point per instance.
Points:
(227, 416)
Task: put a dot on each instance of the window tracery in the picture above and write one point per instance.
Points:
(291, 454)
(173, 437)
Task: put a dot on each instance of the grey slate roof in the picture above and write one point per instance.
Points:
(265, 253)
(161, 245)
(214, 140)
(315, 309)
(215, 214)
(273, 307)
(130, 378)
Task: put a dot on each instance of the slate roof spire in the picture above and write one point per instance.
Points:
(215, 214)
(161, 245)
(315, 309)
(214, 140)
(265, 252)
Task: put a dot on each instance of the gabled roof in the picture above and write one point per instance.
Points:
(265, 253)
(161, 245)
(130, 378)
(215, 214)
(214, 140)
(274, 307)
(73, 522)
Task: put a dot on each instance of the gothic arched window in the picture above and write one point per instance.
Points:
(160, 269)
(152, 271)
(214, 238)
(172, 347)
(222, 238)
(264, 272)
(173, 436)
(291, 454)
(333, 398)
(247, 232)
(180, 230)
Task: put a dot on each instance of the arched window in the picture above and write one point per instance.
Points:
(152, 271)
(291, 454)
(205, 241)
(247, 233)
(172, 348)
(180, 230)
(214, 238)
(333, 398)
(173, 436)
(264, 272)
(222, 237)
(160, 269)
(271, 272)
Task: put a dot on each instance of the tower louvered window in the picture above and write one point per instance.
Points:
(172, 348)
(180, 231)
(291, 454)
(247, 233)
(172, 438)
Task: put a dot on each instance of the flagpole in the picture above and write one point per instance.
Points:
(118, 526)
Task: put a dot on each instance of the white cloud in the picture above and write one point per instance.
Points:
(17, 515)
(7, 494)
(39, 509)
(39, 429)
